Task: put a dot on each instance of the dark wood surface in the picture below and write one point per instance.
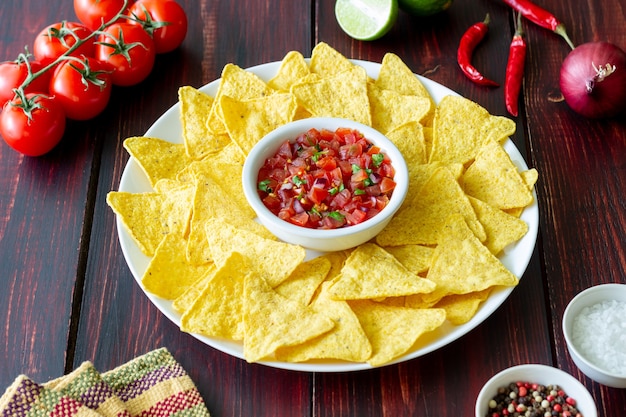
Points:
(66, 294)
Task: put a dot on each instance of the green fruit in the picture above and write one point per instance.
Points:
(424, 7)
(366, 20)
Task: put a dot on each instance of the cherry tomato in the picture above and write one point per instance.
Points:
(94, 13)
(129, 50)
(56, 39)
(82, 88)
(165, 20)
(38, 134)
(13, 74)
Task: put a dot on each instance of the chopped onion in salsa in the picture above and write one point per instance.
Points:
(327, 180)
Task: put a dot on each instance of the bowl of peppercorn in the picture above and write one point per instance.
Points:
(325, 183)
(534, 390)
(595, 333)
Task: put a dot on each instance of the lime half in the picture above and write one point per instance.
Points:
(366, 20)
(424, 7)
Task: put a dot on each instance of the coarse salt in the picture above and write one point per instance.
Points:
(599, 333)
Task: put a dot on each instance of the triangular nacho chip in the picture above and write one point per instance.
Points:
(346, 341)
(272, 321)
(392, 331)
(462, 264)
(370, 272)
(158, 158)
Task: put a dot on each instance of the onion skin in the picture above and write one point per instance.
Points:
(586, 93)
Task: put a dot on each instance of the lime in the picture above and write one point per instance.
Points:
(366, 20)
(424, 7)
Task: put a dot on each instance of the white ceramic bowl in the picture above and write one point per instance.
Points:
(540, 374)
(315, 239)
(588, 298)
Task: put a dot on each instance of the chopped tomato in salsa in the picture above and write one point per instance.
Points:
(326, 180)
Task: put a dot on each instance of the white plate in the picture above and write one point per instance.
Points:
(168, 127)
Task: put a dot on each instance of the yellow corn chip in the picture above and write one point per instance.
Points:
(195, 107)
(157, 158)
(168, 274)
(391, 109)
(395, 75)
(327, 61)
(218, 310)
(421, 222)
(184, 301)
(494, 179)
(212, 202)
(238, 84)
(392, 331)
(460, 127)
(462, 264)
(341, 95)
(247, 121)
(346, 341)
(275, 261)
(501, 228)
(304, 280)
(460, 308)
(142, 217)
(409, 139)
(292, 69)
(272, 321)
(370, 272)
(415, 258)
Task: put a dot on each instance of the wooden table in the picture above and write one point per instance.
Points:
(67, 295)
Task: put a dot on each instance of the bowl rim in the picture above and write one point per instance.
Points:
(582, 395)
(568, 318)
(290, 131)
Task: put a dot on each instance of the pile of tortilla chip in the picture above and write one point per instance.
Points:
(230, 278)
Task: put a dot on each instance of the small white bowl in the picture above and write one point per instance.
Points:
(316, 239)
(588, 298)
(540, 374)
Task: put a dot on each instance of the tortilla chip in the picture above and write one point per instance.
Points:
(168, 274)
(460, 308)
(218, 310)
(304, 280)
(238, 84)
(157, 158)
(341, 95)
(195, 107)
(422, 221)
(346, 341)
(275, 261)
(395, 75)
(142, 217)
(391, 109)
(272, 321)
(370, 272)
(415, 258)
(409, 139)
(494, 179)
(247, 121)
(327, 61)
(184, 301)
(392, 331)
(292, 69)
(501, 228)
(462, 264)
(461, 126)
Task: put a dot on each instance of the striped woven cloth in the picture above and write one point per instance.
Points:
(154, 384)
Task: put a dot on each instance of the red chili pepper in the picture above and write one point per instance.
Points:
(540, 17)
(515, 69)
(470, 39)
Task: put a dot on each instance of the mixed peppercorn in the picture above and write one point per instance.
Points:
(529, 399)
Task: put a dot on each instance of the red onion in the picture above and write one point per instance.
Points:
(593, 79)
